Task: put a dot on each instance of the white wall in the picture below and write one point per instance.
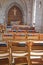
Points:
(38, 15)
(42, 18)
(38, 19)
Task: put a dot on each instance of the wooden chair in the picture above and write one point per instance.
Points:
(20, 51)
(8, 37)
(37, 53)
(4, 53)
(32, 36)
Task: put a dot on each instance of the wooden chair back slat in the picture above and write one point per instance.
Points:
(19, 47)
(37, 45)
(32, 36)
(7, 36)
(20, 36)
(41, 37)
(3, 46)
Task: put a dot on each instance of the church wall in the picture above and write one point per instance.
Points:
(42, 19)
(38, 17)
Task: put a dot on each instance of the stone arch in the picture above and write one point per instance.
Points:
(19, 6)
(17, 18)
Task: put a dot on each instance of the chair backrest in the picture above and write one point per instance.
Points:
(3, 47)
(41, 36)
(20, 36)
(37, 45)
(7, 36)
(19, 46)
(33, 36)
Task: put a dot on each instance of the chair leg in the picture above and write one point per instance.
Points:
(10, 60)
(28, 59)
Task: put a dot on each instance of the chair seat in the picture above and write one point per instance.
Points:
(31, 57)
(36, 53)
(19, 54)
(4, 54)
(35, 57)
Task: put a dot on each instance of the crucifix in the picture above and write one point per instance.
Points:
(15, 11)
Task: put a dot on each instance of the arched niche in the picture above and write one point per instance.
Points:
(15, 16)
(22, 9)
